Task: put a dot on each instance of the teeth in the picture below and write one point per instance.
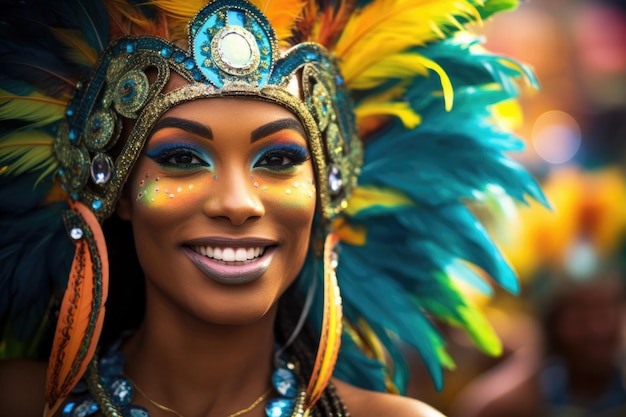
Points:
(228, 254)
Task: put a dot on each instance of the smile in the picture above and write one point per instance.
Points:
(226, 254)
(231, 265)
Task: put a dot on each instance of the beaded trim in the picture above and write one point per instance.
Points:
(232, 52)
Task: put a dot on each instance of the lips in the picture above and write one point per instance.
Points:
(232, 262)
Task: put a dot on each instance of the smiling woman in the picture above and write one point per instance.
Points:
(243, 208)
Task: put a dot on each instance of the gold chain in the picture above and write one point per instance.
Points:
(171, 410)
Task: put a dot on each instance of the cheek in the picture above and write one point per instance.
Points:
(164, 194)
(298, 194)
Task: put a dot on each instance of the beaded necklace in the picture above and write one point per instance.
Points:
(108, 390)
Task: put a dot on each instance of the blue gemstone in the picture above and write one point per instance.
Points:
(166, 52)
(197, 74)
(72, 135)
(69, 112)
(339, 80)
(179, 57)
(279, 407)
(189, 63)
(96, 204)
(121, 391)
(285, 382)
(130, 47)
(80, 408)
(134, 411)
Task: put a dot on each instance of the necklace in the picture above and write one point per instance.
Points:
(106, 389)
(171, 410)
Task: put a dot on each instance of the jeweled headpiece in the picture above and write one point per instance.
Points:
(232, 51)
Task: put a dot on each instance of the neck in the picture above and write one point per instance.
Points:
(200, 368)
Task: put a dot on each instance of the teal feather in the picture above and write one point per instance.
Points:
(450, 159)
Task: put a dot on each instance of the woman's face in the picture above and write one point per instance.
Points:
(221, 204)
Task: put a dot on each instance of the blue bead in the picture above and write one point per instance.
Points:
(285, 382)
(179, 57)
(189, 63)
(69, 112)
(130, 47)
(121, 391)
(279, 407)
(80, 408)
(166, 52)
(72, 135)
(96, 204)
(197, 74)
(134, 411)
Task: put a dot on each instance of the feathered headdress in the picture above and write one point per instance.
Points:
(404, 79)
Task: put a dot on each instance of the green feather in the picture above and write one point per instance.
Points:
(27, 151)
(36, 109)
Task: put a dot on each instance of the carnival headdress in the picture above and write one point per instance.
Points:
(364, 71)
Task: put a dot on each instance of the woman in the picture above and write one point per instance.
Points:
(229, 137)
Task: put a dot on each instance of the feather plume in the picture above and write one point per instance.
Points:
(386, 27)
(27, 151)
(82, 310)
(35, 108)
(78, 50)
(284, 15)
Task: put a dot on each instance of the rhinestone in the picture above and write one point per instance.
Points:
(96, 204)
(285, 383)
(101, 169)
(76, 233)
(80, 408)
(334, 179)
(121, 391)
(179, 57)
(279, 407)
(72, 135)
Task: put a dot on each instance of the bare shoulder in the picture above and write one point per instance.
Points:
(22, 382)
(364, 403)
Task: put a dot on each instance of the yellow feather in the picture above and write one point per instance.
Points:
(78, 50)
(35, 108)
(401, 110)
(283, 15)
(27, 151)
(386, 27)
(403, 66)
(364, 197)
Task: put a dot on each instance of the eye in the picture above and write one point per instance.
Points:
(281, 157)
(179, 156)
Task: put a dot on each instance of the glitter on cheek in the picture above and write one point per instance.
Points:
(159, 195)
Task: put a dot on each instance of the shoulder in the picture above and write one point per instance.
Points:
(22, 382)
(364, 403)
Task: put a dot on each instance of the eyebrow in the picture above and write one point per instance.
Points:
(186, 125)
(276, 126)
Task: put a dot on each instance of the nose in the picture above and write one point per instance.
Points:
(233, 197)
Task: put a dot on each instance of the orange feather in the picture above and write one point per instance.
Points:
(330, 338)
(82, 311)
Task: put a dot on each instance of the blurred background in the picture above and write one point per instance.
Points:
(563, 337)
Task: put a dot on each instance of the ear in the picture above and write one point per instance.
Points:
(123, 208)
